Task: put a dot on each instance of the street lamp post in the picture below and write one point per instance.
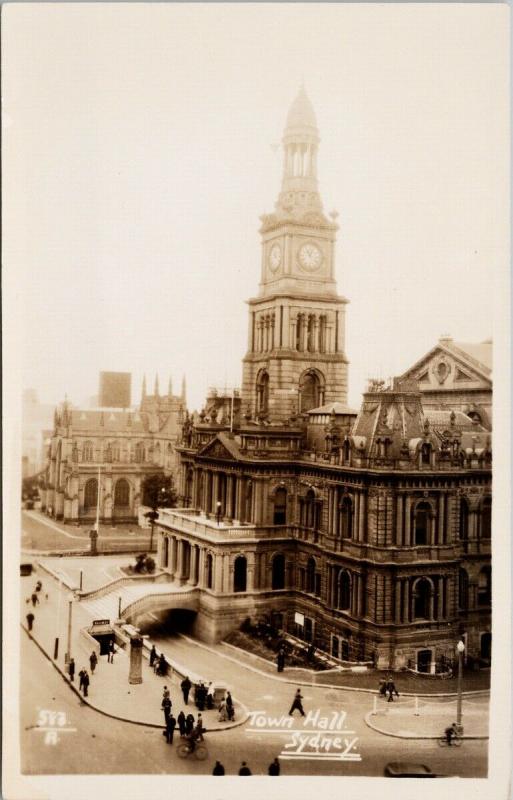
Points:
(460, 647)
(67, 657)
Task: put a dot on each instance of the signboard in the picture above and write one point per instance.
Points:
(299, 619)
(101, 621)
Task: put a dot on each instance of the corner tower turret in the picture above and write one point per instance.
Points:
(296, 351)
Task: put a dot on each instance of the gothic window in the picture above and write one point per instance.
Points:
(422, 522)
(484, 587)
(262, 388)
(310, 575)
(280, 507)
(210, 570)
(278, 571)
(310, 391)
(422, 599)
(486, 519)
(425, 454)
(122, 493)
(310, 334)
(346, 518)
(463, 532)
(239, 574)
(87, 451)
(139, 452)
(344, 590)
(463, 589)
(91, 493)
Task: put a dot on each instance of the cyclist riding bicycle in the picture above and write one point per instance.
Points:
(450, 733)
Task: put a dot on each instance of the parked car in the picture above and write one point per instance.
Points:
(408, 769)
(26, 569)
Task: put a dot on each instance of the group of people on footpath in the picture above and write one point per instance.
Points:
(387, 687)
(83, 675)
(188, 727)
(34, 599)
(273, 769)
(158, 662)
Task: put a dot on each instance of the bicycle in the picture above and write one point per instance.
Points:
(185, 749)
(456, 741)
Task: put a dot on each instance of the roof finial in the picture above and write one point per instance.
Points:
(143, 392)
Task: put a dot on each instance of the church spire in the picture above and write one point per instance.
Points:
(156, 388)
(170, 387)
(184, 391)
(143, 391)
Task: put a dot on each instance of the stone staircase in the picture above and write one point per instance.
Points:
(140, 597)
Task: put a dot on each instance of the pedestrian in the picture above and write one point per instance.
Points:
(186, 688)
(46, 596)
(280, 660)
(166, 706)
(230, 711)
(93, 660)
(30, 620)
(199, 728)
(162, 665)
(35, 599)
(71, 669)
(274, 768)
(244, 769)
(223, 714)
(382, 687)
(181, 723)
(81, 679)
(201, 696)
(210, 696)
(391, 691)
(189, 724)
(85, 682)
(165, 692)
(112, 650)
(153, 655)
(296, 703)
(170, 729)
(218, 769)
(39, 586)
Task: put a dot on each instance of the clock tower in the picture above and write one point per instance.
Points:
(296, 359)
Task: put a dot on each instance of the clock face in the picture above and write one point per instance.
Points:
(275, 257)
(310, 256)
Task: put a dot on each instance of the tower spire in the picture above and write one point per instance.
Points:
(170, 387)
(156, 388)
(143, 391)
(300, 143)
(184, 391)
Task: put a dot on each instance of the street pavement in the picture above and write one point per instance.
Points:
(269, 731)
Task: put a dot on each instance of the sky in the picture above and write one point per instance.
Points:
(142, 144)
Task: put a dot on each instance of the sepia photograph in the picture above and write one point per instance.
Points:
(256, 387)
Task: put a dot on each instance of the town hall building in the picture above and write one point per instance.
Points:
(367, 532)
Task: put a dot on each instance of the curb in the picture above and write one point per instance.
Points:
(85, 700)
(298, 681)
(409, 735)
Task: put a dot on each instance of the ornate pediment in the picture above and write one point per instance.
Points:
(216, 449)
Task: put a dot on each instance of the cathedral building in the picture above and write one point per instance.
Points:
(369, 532)
(113, 449)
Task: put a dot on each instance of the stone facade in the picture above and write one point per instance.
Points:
(118, 448)
(367, 533)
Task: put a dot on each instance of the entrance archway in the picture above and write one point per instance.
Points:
(424, 661)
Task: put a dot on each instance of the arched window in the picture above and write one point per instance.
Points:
(262, 390)
(484, 587)
(486, 518)
(278, 571)
(422, 599)
(299, 332)
(310, 334)
(463, 532)
(309, 509)
(210, 570)
(346, 518)
(344, 590)
(310, 575)
(463, 589)
(139, 452)
(87, 451)
(280, 507)
(239, 574)
(91, 493)
(425, 454)
(122, 493)
(422, 518)
(310, 392)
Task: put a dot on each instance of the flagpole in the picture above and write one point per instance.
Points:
(97, 526)
(231, 413)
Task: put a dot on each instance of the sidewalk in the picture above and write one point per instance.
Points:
(109, 690)
(428, 719)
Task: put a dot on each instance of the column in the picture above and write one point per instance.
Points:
(440, 598)
(286, 330)
(354, 594)
(250, 572)
(406, 600)
(136, 648)
(316, 347)
(407, 522)
(441, 518)
(229, 497)
(432, 601)
(258, 501)
(399, 520)
(397, 599)
(227, 584)
(293, 323)
(215, 492)
(179, 566)
(218, 572)
(193, 565)
(201, 567)
(362, 517)
(359, 609)
(172, 556)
